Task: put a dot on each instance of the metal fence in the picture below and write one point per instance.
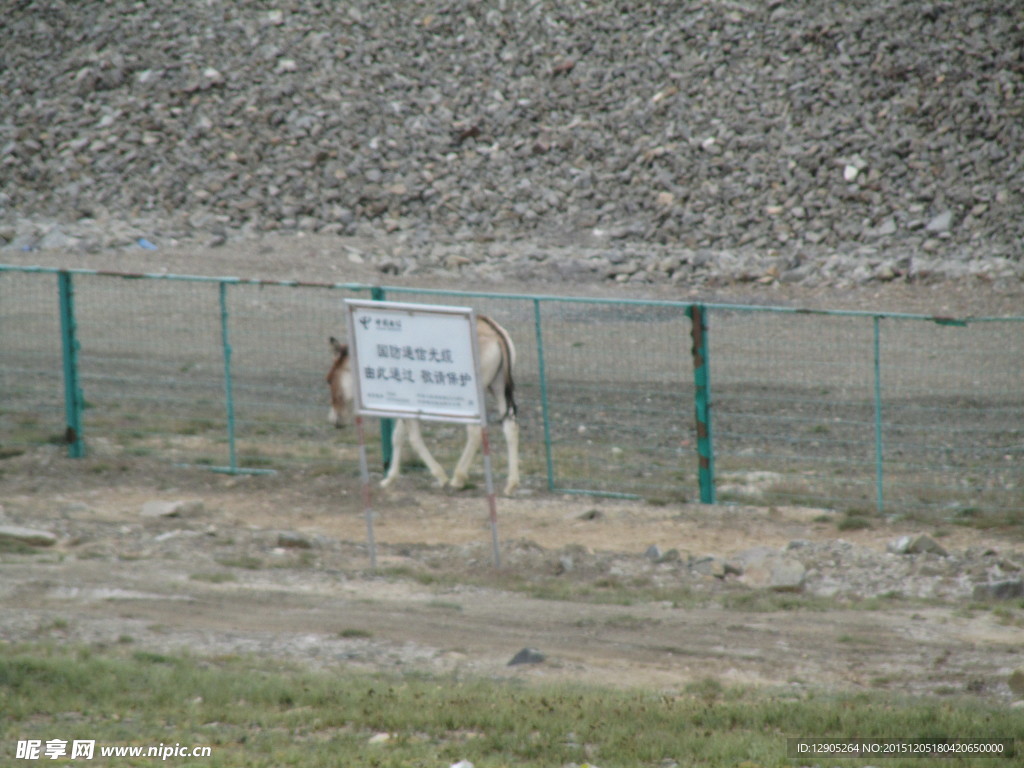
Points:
(668, 401)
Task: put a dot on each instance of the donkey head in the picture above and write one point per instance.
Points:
(339, 379)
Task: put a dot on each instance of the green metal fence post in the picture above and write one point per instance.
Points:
(542, 374)
(229, 402)
(879, 488)
(387, 426)
(702, 402)
(74, 402)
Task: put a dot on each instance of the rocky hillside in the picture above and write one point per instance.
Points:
(782, 137)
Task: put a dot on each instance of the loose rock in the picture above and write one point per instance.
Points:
(709, 565)
(771, 569)
(179, 508)
(916, 545)
(527, 656)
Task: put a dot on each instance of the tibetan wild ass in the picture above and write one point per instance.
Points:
(497, 357)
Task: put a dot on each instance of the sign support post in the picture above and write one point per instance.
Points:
(492, 502)
(364, 472)
(417, 361)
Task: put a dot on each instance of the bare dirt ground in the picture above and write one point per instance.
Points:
(277, 565)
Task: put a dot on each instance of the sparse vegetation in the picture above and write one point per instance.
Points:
(853, 522)
(250, 714)
(353, 633)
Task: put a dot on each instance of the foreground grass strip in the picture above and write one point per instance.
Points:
(254, 712)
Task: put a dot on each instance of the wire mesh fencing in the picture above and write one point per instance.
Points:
(864, 413)
(149, 366)
(31, 399)
(845, 410)
(198, 371)
(954, 417)
(793, 409)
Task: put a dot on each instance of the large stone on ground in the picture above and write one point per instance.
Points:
(768, 568)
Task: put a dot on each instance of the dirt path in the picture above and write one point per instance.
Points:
(277, 567)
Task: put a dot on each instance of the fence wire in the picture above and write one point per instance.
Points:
(865, 413)
(954, 417)
(605, 394)
(849, 411)
(793, 409)
(150, 366)
(31, 399)
(620, 394)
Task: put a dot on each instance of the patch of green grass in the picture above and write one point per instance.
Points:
(603, 591)
(355, 634)
(1008, 616)
(856, 639)
(671, 496)
(261, 462)
(612, 590)
(707, 688)
(630, 622)
(251, 713)
(219, 577)
(445, 605)
(15, 547)
(885, 601)
(54, 625)
(248, 562)
(1005, 520)
(854, 522)
(766, 601)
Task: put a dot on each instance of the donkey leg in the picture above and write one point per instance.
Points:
(511, 429)
(397, 439)
(416, 441)
(473, 438)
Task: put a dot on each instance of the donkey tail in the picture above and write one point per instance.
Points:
(508, 359)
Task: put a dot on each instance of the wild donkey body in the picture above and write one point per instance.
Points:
(497, 358)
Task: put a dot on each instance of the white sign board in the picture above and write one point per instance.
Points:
(415, 360)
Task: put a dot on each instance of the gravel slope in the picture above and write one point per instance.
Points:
(798, 140)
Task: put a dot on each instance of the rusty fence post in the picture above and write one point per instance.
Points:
(702, 402)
